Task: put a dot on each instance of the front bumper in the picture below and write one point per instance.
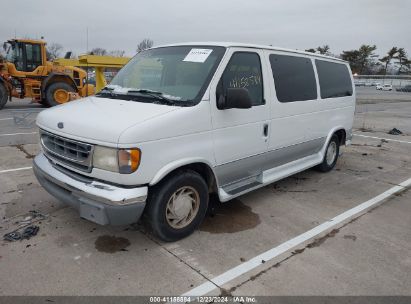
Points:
(101, 203)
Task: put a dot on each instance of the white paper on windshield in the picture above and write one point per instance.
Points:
(198, 55)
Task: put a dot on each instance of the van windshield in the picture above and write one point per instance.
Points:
(170, 75)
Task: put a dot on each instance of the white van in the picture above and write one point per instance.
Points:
(180, 122)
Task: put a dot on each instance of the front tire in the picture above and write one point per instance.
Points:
(177, 205)
(3, 96)
(331, 155)
(58, 93)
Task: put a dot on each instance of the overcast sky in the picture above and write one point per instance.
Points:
(296, 24)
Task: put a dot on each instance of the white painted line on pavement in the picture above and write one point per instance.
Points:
(17, 169)
(387, 139)
(245, 267)
(13, 134)
(6, 119)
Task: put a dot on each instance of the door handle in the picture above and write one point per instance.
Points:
(265, 130)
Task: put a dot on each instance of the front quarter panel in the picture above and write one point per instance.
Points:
(169, 142)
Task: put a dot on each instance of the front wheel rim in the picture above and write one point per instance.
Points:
(61, 96)
(182, 207)
(331, 153)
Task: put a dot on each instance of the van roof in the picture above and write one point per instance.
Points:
(250, 45)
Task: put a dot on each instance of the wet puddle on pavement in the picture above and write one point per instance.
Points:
(230, 217)
(111, 244)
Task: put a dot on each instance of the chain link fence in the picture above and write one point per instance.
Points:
(397, 81)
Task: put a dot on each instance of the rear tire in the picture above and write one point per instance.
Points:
(58, 93)
(177, 205)
(3, 96)
(331, 155)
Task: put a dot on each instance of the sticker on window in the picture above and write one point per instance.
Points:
(198, 55)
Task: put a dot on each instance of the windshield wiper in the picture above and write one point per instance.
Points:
(155, 94)
(111, 93)
(106, 91)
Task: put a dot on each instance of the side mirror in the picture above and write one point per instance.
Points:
(235, 98)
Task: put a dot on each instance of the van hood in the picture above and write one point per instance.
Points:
(98, 120)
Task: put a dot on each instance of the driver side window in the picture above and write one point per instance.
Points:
(33, 57)
(244, 71)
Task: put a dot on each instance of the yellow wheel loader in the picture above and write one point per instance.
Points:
(26, 73)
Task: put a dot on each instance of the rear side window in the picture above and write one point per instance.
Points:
(335, 80)
(244, 71)
(293, 77)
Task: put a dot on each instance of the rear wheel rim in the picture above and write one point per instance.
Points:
(61, 96)
(331, 153)
(182, 207)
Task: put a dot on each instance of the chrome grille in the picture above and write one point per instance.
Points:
(67, 151)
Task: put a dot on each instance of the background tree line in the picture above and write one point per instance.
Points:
(365, 61)
(55, 50)
(146, 43)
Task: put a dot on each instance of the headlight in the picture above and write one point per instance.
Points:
(105, 158)
(123, 161)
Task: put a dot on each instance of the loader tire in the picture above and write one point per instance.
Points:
(58, 93)
(3, 96)
(44, 103)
